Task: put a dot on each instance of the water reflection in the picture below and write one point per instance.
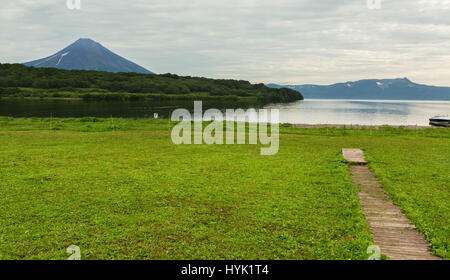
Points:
(311, 111)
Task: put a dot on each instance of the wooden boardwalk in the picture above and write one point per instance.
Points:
(392, 231)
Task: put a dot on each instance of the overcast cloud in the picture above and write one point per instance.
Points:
(282, 41)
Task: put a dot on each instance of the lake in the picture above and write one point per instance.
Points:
(363, 112)
(311, 111)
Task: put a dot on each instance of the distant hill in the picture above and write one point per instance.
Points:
(388, 89)
(86, 54)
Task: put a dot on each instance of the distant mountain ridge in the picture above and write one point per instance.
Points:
(388, 89)
(86, 54)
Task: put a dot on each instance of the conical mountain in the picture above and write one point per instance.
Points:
(86, 54)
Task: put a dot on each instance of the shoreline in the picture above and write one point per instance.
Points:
(285, 125)
(360, 126)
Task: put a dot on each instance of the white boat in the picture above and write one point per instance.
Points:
(440, 121)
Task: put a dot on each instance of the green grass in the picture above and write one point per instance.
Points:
(119, 189)
(417, 175)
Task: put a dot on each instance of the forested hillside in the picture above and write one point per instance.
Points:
(21, 81)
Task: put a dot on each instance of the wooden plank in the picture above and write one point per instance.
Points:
(354, 156)
(392, 230)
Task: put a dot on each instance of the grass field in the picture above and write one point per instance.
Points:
(119, 189)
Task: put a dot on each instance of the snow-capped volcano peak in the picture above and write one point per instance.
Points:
(86, 54)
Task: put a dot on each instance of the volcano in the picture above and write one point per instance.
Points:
(86, 54)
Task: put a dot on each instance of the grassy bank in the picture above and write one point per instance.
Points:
(119, 189)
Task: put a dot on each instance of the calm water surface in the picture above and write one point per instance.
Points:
(311, 111)
(364, 112)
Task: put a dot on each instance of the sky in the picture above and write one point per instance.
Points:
(277, 41)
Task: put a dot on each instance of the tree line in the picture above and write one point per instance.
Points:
(16, 78)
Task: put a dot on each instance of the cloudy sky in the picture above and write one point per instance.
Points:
(282, 41)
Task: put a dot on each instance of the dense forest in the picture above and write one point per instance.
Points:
(17, 80)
